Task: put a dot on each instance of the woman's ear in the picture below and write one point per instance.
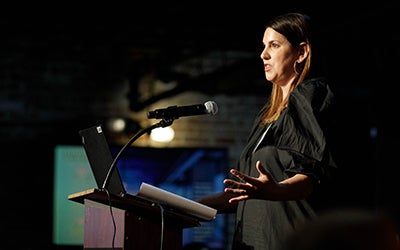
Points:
(303, 51)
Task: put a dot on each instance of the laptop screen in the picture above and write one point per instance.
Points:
(100, 159)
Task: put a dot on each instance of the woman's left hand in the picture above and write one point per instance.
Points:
(263, 187)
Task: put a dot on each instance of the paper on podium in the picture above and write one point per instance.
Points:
(188, 206)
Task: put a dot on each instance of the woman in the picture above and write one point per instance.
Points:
(287, 160)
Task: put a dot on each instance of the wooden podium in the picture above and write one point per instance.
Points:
(139, 224)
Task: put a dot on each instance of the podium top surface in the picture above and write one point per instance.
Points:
(133, 203)
(80, 196)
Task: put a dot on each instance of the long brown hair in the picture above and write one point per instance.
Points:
(296, 27)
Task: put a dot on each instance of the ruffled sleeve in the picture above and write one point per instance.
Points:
(302, 128)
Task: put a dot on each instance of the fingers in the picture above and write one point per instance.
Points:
(241, 191)
(230, 182)
(234, 191)
(239, 198)
(241, 194)
(246, 178)
(234, 185)
(246, 187)
(238, 174)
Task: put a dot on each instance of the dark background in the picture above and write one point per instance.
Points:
(55, 60)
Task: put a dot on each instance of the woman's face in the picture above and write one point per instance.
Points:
(278, 58)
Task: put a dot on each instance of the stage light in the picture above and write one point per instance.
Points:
(116, 125)
(165, 134)
(122, 125)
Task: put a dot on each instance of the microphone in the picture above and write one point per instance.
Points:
(174, 112)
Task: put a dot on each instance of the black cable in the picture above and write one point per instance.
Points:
(112, 218)
(162, 224)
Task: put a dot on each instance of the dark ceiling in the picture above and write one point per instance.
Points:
(53, 58)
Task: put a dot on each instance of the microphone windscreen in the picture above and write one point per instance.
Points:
(211, 107)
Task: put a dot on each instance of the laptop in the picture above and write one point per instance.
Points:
(100, 159)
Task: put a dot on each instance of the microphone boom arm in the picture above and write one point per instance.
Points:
(163, 123)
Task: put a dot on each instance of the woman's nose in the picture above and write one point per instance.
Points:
(264, 54)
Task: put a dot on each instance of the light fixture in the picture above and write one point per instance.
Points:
(165, 134)
(122, 125)
(116, 125)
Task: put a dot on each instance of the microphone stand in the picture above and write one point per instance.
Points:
(163, 123)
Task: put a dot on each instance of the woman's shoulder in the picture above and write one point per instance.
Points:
(313, 85)
(317, 92)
